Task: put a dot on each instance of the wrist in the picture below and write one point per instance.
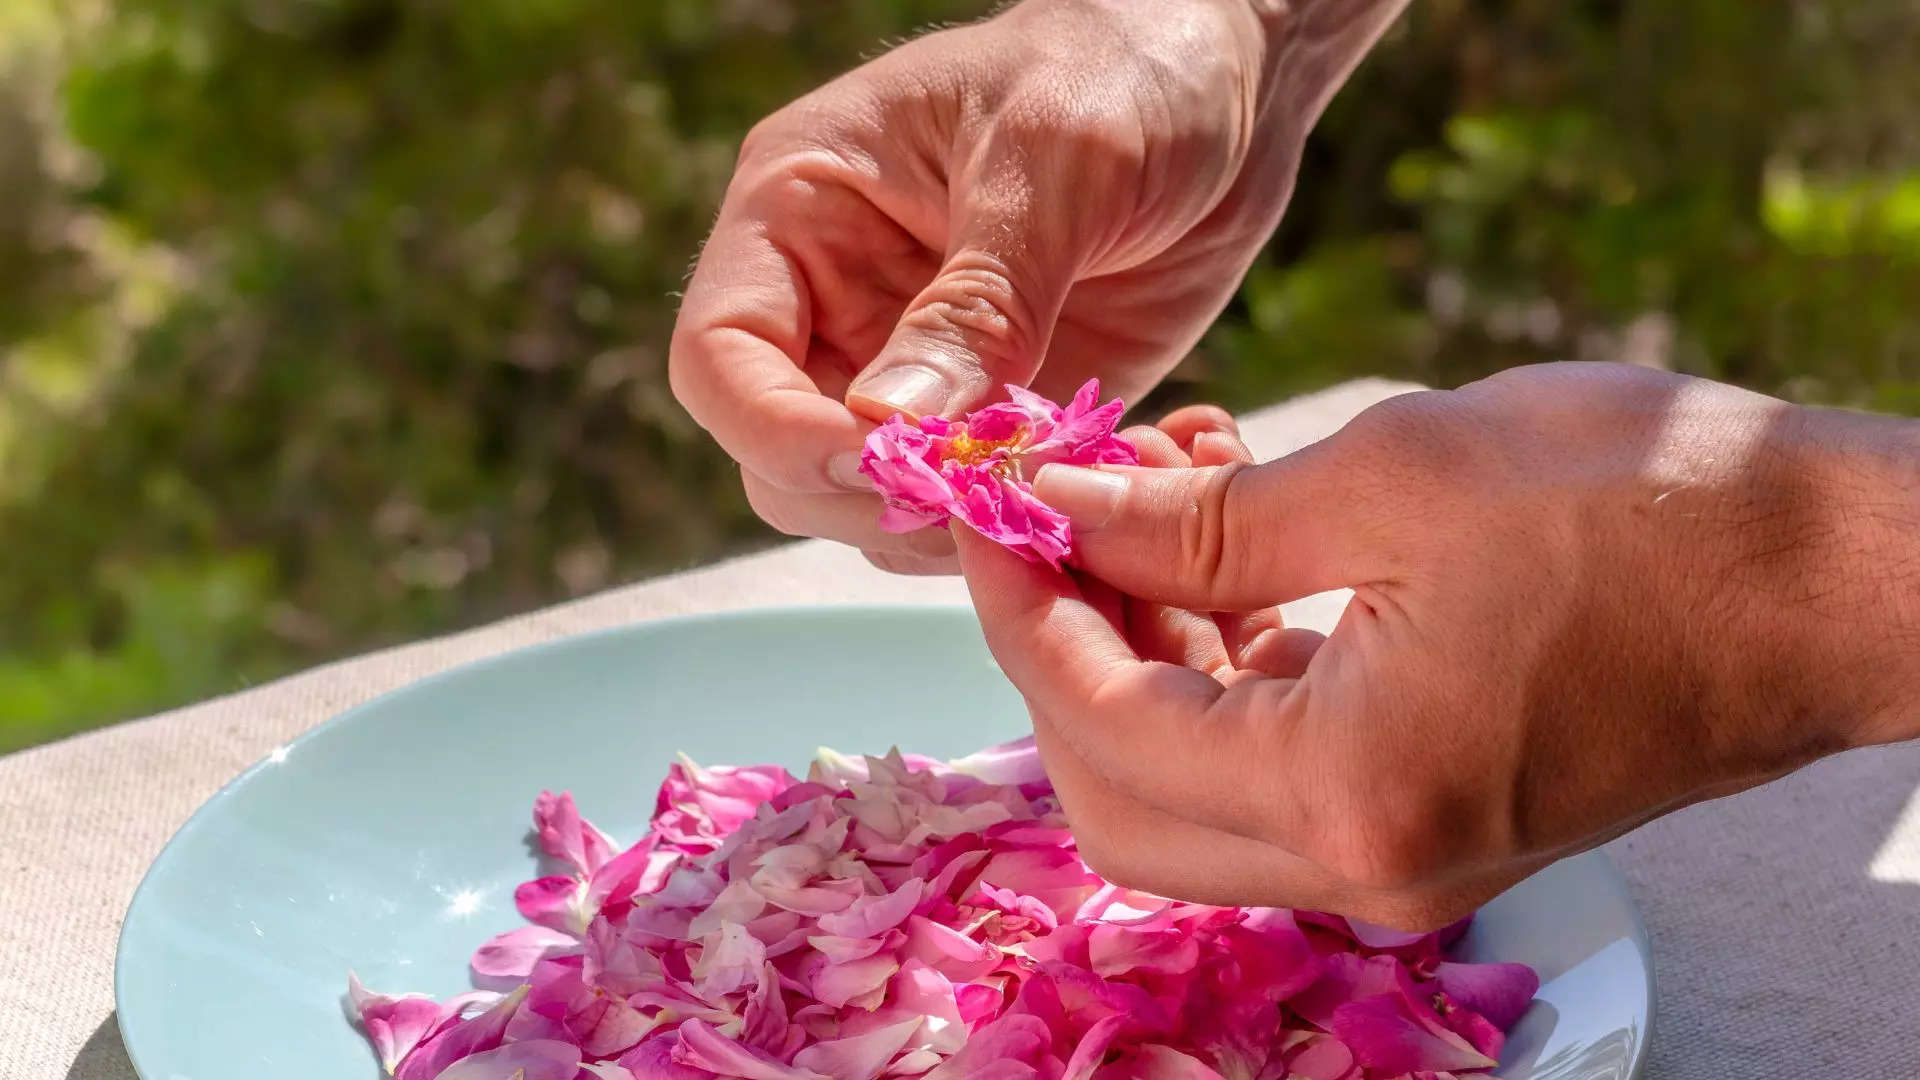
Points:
(1865, 473)
(1312, 46)
(1809, 628)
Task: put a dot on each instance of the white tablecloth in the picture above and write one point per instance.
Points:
(1785, 922)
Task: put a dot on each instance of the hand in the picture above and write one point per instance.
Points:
(1083, 181)
(1584, 596)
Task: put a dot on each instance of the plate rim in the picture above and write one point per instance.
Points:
(170, 850)
(1616, 879)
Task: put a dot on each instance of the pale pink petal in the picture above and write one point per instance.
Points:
(704, 1048)
(927, 997)
(1015, 763)
(1055, 877)
(613, 962)
(948, 951)
(857, 1057)
(1321, 1057)
(539, 1059)
(898, 916)
(730, 959)
(1157, 1062)
(842, 949)
(697, 807)
(513, 954)
(1012, 1039)
(609, 1071)
(838, 984)
(873, 915)
(1117, 950)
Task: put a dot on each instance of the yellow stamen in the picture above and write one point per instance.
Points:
(968, 450)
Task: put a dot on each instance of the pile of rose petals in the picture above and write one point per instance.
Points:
(904, 917)
(980, 469)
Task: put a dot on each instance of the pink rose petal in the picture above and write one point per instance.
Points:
(897, 916)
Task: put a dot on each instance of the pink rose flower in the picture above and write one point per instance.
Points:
(981, 469)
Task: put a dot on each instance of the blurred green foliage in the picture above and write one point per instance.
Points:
(331, 323)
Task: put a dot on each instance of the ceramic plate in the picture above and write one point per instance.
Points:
(390, 839)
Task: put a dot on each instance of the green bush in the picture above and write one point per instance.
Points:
(332, 323)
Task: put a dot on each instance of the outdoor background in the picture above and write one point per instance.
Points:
(327, 324)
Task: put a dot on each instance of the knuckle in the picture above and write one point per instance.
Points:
(685, 354)
(771, 505)
(1212, 530)
(1113, 861)
(766, 138)
(1420, 425)
(977, 305)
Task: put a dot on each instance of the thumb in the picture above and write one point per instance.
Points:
(1231, 538)
(986, 317)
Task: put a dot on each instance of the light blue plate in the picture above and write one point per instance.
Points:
(390, 839)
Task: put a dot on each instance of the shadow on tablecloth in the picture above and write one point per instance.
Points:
(104, 1056)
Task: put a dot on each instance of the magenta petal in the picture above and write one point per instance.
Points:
(653, 1060)
(1344, 977)
(394, 1025)
(1385, 1036)
(555, 902)
(539, 1059)
(978, 469)
(1499, 992)
(900, 460)
(567, 836)
(471, 1036)
(1092, 1049)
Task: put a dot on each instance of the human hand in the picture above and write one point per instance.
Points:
(1083, 181)
(1584, 596)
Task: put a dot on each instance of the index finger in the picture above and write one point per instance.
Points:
(738, 359)
(1172, 737)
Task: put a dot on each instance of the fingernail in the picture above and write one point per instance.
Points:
(913, 389)
(1087, 497)
(844, 469)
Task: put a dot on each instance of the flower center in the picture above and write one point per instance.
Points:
(968, 450)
